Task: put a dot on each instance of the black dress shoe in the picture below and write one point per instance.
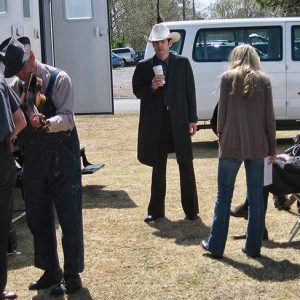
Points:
(239, 211)
(250, 255)
(192, 218)
(50, 277)
(71, 284)
(151, 218)
(204, 246)
(6, 294)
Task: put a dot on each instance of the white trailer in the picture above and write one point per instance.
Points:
(72, 35)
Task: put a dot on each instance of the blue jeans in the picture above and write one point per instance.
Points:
(227, 172)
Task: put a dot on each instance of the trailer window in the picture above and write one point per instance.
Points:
(26, 9)
(3, 7)
(216, 44)
(78, 9)
(296, 42)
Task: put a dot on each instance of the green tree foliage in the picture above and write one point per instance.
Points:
(132, 19)
(228, 9)
(285, 7)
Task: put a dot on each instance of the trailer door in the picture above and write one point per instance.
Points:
(81, 48)
(293, 69)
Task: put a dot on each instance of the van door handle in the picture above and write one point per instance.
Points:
(298, 93)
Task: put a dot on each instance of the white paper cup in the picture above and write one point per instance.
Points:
(158, 70)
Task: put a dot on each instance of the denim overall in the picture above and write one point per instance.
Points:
(52, 179)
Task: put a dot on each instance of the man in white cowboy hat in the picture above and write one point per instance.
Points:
(12, 121)
(167, 120)
(51, 169)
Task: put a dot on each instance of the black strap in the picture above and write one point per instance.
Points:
(51, 82)
(21, 86)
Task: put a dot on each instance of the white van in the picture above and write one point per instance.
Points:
(207, 44)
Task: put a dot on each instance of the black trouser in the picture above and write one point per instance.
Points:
(7, 182)
(189, 198)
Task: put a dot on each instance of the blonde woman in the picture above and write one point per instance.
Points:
(246, 129)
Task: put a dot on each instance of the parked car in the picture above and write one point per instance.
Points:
(116, 61)
(127, 54)
(139, 55)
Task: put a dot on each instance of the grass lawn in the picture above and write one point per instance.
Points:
(126, 258)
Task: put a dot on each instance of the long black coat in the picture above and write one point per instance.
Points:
(286, 176)
(182, 106)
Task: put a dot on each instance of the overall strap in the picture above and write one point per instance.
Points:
(20, 86)
(51, 82)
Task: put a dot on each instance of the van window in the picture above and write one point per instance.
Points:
(176, 48)
(296, 42)
(78, 9)
(3, 9)
(215, 44)
(26, 9)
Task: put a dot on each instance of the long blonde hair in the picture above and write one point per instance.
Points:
(245, 62)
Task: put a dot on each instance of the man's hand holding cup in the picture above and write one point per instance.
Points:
(159, 78)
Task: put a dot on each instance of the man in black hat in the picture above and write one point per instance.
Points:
(51, 169)
(12, 121)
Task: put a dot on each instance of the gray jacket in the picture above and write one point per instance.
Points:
(246, 127)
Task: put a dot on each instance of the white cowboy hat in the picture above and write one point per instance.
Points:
(161, 32)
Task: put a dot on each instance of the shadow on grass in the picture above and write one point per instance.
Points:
(82, 294)
(270, 270)
(273, 245)
(184, 232)
(94, 196)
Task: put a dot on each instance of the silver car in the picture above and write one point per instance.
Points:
(127, 54)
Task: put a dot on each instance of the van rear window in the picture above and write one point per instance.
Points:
(215, 44)
(296, 42)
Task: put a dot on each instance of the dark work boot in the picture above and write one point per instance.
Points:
(282, 202)
(50, 277)
(71, 284)
(239, 211)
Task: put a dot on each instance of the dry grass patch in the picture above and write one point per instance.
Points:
(128, 259)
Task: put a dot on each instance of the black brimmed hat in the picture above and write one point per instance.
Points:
(14, 53)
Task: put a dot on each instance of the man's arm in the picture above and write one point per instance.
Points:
(19, 121)
(63, 100)
(293, 164)
(191, 95)
(141, 89)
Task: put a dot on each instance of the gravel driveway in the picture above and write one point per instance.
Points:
(122, 83)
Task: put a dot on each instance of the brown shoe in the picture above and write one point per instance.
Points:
(244, 236)
(282, 202)
(239, 211)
